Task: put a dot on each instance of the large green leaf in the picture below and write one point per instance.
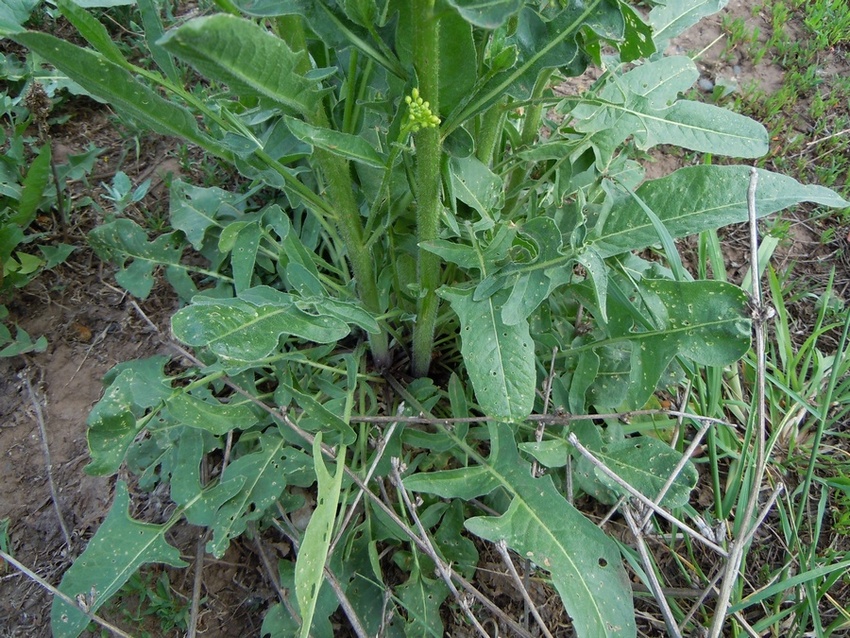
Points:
(247, 58)
(263, 475)
(116, 552)
(313, 553)
(543, 526)
(107, 80)
(248, 328)
(704, 321)
(642, 104)
(697, 198)
(499, 358)
(672, 17)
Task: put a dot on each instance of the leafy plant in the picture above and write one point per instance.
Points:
(409, 199)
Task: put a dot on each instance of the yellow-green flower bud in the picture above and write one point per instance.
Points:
(419, 113)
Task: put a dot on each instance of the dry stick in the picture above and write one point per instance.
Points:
(686, 457)
(197, 582)
(502, 548)
(347, 608)
(431, 552)
(654, 585)
(759, 315)
(573, 439)
(382, 447)
(327, 451)
(39, 417)
(64, 597)
(548, 419)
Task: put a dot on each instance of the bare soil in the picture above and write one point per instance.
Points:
(92, 325)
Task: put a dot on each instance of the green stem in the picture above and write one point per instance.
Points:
(337, 173)
(490, 130)
(426, 51)
(530, 131)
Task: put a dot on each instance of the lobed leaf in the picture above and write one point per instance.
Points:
(106, 565)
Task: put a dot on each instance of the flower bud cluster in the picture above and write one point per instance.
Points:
(419, 112)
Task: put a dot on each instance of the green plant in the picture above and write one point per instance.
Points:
(27, 189)
(414, 202)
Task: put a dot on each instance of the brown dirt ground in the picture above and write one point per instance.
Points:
(91, 325)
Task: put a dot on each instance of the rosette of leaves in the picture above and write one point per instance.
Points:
(410, 204)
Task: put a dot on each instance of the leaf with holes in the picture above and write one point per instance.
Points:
(119, 548)
(310, 565)
(541, 525)
(499, 358)
(642, 104)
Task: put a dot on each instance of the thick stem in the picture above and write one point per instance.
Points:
(428, 156)
(337, 173)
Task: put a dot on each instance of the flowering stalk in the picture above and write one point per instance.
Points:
(428, 156)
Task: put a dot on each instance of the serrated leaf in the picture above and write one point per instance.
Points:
(106, 565)
(93, 31)
(499, 358)
(249, 328)
(313, 553)
(246, 57)
(195, 210)
(543, 526)
(351, 147)
(705, 321)
(422, 598)
(642, 104)
(116, 85)
(697, 198)
(211, 415)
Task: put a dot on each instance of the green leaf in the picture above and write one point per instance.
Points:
(116, 552)
(195, 210)
(243, 255)
(476, 185)
(247, 58)
(672, 17)
(93, 31)
(351, 147)
(543, 526)
(249, 328)
(457, 79)
(705, 321)
(13, 14)
(105, 79)
(326, 419)
(264, 475)
(697, 198)
(645, 464)
(638, 42)
(313, 553)
(149, 11)
(210, 414)
(32, 189)
(499, 358)
(124, 241)
(488, 14)
(55, 255)
(422, 598)
(642, 104)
